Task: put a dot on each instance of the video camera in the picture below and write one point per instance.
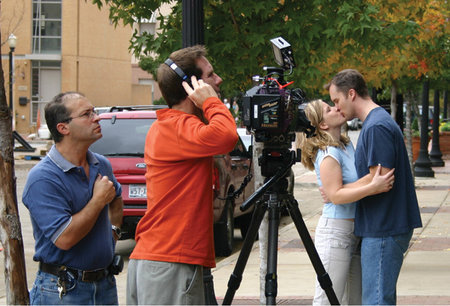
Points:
(271, 110)
(274, 114)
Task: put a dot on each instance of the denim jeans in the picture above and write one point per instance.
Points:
(381, 261)
(45, 291)
(338, 250)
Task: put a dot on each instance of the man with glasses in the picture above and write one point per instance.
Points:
(75, 207)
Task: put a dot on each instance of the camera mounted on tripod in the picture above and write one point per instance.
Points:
(275, 113)
(270, 109)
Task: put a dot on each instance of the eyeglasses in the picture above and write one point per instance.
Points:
(90, 114)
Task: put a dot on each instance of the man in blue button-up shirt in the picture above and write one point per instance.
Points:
(75, 207)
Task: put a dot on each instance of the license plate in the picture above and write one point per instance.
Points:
(137, 191)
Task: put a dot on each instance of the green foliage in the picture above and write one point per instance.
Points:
(129, 11)
(160, 101)
(380, 38)
(445, 127)
(415, 128)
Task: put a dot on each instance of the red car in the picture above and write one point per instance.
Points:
(124, 130)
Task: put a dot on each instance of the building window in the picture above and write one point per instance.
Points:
(147, 25)
(146, 82)
(39, 71)
(47, 26)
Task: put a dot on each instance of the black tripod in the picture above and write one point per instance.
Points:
(275, 168)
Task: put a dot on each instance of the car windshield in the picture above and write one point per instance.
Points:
(122, 137)
(246, 138)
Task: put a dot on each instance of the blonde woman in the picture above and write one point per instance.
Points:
(331, 154)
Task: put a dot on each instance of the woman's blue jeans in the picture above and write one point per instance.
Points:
(381, 261)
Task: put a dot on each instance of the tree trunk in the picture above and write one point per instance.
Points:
(394, 101)
(264, 227)
(407, 131)
(10, 229)
(415, 108)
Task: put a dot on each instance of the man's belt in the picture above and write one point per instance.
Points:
(85, 276)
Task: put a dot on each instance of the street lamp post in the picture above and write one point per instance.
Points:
(435, 153)
(16, 136)
(422, 167)
(12, 45)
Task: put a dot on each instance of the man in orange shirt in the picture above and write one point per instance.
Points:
(174, 239)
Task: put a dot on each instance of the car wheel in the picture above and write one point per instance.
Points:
(224, 232)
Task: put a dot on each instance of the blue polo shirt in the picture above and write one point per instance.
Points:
(397, 211)
(346, 159)
(55, 190)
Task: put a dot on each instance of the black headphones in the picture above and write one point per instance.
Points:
(178, 71)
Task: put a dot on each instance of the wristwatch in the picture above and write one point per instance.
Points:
(117, 231)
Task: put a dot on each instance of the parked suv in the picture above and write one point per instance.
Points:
(124, 130)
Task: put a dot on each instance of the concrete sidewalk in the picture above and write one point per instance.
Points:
(424, 278)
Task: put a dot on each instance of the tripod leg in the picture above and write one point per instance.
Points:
(271, 287)
(236, 277)
(322, 275)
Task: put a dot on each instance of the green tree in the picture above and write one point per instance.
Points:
(381, 38)
(237, 35)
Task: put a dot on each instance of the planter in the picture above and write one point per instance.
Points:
(416, 147)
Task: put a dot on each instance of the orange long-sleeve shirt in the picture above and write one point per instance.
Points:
(179, 150)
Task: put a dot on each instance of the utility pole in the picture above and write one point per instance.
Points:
(192, 34)
(193, 23)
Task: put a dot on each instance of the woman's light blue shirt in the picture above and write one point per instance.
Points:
(346, 159)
